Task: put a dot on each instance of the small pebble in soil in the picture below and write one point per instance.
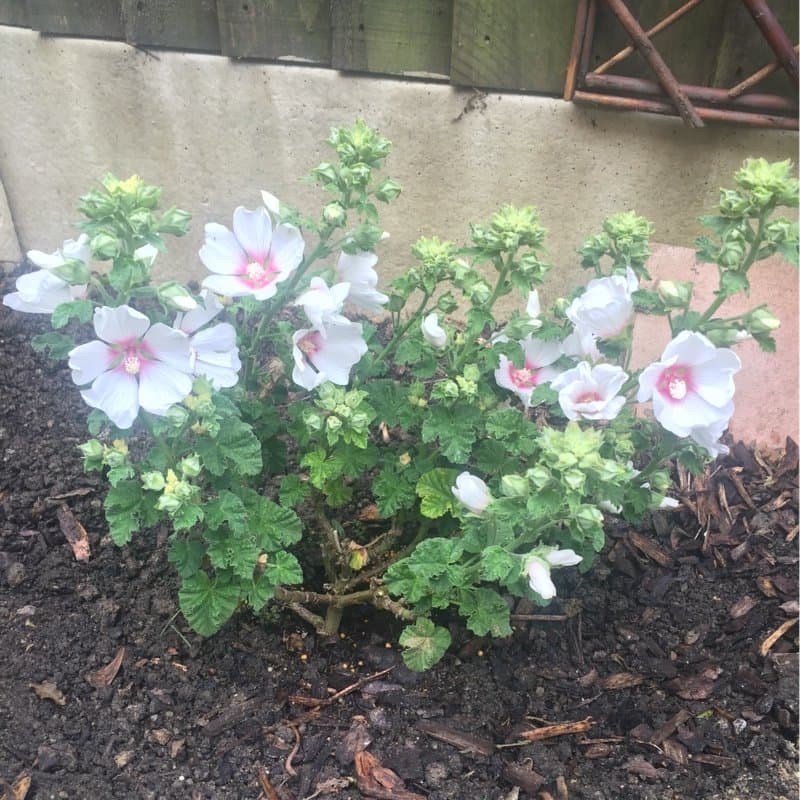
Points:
(15, 574)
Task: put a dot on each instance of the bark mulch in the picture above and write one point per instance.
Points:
(669, 671)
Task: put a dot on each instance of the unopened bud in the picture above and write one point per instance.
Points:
(514, 486)
(176, 297)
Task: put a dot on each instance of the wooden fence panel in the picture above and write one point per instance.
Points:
(14, 12)
(512, 44)
(689, 45)
(743, 49)
(387, 36)
(100, 18)
(181, 24)
(286, 29)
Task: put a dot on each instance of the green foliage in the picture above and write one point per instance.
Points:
(466, 491)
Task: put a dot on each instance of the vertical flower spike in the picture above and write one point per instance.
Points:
(587, 392)
(41, 292)
(132, 365)
(326, 355)
(253, 258)
(357, 270)
(692, 388)
(539, 355)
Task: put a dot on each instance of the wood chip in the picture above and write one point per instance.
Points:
(560, 729)
(47, 690)
(621, 680)
(465, 742)
(19, 789)
(74, 533)
(523, 776)
(101, 678)
(736, 480)
(670, 726)
(743, 606)
(267, 789)
(692, 687)
(675, 751)
(766, 586)
(769, 642)
(643, 768)
(598, 751)
(375, 780)
(650, 548)
(722, 762)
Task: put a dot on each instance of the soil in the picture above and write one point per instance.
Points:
(660, 657)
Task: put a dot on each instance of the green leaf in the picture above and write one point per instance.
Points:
(497, 563)
(732, 283)
(227, 508)
(82, 310)
(293, 490)
(486, 612)
(234, 446)
(454, 428)
(409, 351)
(227, 550)
(259, 592)
(187, 556)
(283, 568)
(393, 490)
(424, 643)
(186, 517)
(275, 526)
(435, 489)
(322, 468)
(58, 344)
(432, 557)
(123, 507)
(117, 474)
(207, 604)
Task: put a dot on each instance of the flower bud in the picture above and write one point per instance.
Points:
(733, 203)
(174, 221)
(388, 190)
(675, 294)
(432, 332)
(175, 296)
(334, 214)
(333, 424)
(762, 320)
(190, 466)
(91, 450)
(104, 246)
(472, 492)
(153, 481)
(539, 476)
(514, 486)
(73, 271)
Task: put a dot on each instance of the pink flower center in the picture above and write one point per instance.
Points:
(588, 397)
(675, 382)
(310, 344)
(258, 275)
(132, 364)
(525, 378)
(131, 356)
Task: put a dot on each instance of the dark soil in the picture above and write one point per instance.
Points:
(659, 648)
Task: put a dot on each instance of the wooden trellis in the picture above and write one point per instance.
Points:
(693, 103)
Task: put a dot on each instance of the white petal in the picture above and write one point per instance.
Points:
(117, 394)
(146, 253)
(168, 345)
(161, 386)
(271, 202)
(222, 252)
(228, 285)
(287, 250)
(539, 579)
(218, 338)
(341, 348)
(119, 324)
(432, 332)
(89, 360)
(253, 229)
(534, 307)
(563, 558)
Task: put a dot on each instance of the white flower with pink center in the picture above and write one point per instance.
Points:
(581, 343)
(357, 270)
(41, 292)
(536, 370)
(587, 392)
(606, 307)
(212, 351)
(253, 258)
(132, 365)
(538, 567)
(322, 303)
(692, 388)
(327, 355)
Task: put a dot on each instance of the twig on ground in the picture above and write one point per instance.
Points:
(319, 702)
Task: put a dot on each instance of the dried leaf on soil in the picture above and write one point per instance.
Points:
(74, 533)
(465, 742)
(622, 680)
(47, 690)
(375, 780)
(769, 642)
(644, 769)
(692, 687)
(560, 729)
(101, 678)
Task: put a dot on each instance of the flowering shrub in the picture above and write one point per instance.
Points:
(315, 442)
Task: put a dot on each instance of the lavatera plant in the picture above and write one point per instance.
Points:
(316, 440)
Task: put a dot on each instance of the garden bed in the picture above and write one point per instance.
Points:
(675, 656)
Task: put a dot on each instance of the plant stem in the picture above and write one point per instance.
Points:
(391, 346)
